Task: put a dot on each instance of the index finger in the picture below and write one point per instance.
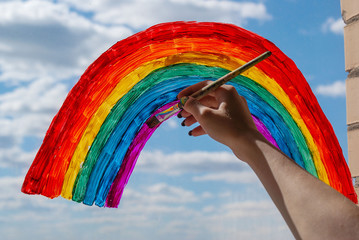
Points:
(193, 88)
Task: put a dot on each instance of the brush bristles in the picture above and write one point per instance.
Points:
(152, 122)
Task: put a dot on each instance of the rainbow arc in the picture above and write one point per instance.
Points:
(93, 142)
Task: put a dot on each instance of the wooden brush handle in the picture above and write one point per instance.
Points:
(222, 80)
(229, 76)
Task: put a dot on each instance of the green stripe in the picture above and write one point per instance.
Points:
(171, 72)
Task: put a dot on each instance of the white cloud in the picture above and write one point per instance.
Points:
(335, 89)
(171, 124)
(163, 193)
(15, 157)
(229, 177)
(48, 39)
(227, 217)
(177, 210)
(43, 95)
(48, 42)
(142, 13)
(335, 26)
(45, 44)
(248, 209)
(12, 198)
(189, 162)
(25, 114)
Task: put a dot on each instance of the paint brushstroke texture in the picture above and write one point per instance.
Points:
(92, 144)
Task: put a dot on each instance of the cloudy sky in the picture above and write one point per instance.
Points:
(182, 187)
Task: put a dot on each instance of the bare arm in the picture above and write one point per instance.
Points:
(312, 209)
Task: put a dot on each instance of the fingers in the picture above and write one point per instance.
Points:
(208, 101)
(191, 89)
(221, 94)
(197, 131)
(194, 107)
(189, 121)
(217, 108)
(225, 93)
(192, 112)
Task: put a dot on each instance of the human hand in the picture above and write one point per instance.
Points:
(223, 115)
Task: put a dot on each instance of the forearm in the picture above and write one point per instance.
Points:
(312, 209)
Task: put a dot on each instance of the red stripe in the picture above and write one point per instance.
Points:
(49, 167)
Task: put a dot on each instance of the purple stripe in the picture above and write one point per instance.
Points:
(129, 162)
(264, 131)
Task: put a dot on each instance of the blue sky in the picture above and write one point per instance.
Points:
(182, 187)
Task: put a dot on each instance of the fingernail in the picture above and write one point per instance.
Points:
(182, 123)
(179, 115)
(190, 133)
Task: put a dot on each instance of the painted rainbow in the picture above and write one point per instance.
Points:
(93, 143)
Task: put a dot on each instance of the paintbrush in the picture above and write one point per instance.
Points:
(164, 115)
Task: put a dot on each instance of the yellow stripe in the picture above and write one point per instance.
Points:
(125, 84)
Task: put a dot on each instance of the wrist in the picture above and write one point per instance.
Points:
(246, 147)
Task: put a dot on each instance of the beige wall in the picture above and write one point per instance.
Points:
(350, 14)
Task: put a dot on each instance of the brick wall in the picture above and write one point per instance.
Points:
(350, 14)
